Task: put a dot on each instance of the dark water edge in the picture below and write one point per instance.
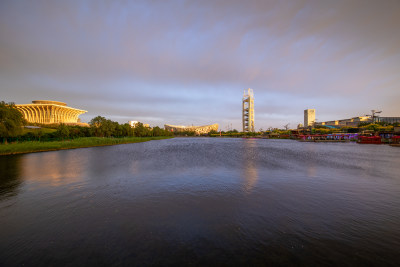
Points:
(202, 202)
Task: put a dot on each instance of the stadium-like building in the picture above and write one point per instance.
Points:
(48, 112)
(197, 129)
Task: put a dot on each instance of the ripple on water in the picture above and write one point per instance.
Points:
(202, 201)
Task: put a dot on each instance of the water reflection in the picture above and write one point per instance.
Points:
(135, 167)
(54, 168)
(250, 173)
(10, 178)
(310, 162)
(202, 201)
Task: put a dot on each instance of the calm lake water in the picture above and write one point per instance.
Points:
(202, 201)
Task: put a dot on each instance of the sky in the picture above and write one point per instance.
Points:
(188, 62)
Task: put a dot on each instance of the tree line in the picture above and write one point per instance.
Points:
(102, 127)
(12, 125)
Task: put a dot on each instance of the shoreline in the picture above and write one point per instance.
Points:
(83, 142)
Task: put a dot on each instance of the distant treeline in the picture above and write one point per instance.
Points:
(12, 128)
(99, 127)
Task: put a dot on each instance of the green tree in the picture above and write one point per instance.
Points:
(157, 131)
(374, 127)
(101, 127)
(11, 120)
(118, 130)
(127, 130)
(63, 131)
(142, 131)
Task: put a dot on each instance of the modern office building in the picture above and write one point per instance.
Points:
(197, 129)
(352, 122)
(309, 120)
(309, 117)
(387, 119)
(48, 112)
(355, 121)
(248, 111)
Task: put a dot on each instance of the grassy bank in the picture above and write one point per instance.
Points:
(36, 146)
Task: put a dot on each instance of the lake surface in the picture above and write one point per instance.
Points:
(202, 201)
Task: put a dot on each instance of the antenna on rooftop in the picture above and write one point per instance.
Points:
(373, 114)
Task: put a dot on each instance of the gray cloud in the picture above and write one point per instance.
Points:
(201, 54)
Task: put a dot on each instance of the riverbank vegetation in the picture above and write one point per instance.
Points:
(11, 120)
(19, 136)
(14, 129)
(38, 146)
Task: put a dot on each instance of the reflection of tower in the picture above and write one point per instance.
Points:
(248, 110)
(309, 117)
(250, 171)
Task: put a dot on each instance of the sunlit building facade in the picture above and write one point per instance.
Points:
(352, 122)
(134, 123)
(197, 129)
(49, 112)
(248, 111)
(309, 117)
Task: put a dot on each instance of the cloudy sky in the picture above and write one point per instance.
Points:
(188, 62)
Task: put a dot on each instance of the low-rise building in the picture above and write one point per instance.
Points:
(387, 119)
(197, 129)
(49, 112)
(352, 122)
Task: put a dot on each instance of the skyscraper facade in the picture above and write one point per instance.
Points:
(309, 117)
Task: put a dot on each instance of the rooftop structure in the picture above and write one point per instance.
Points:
(197, 129)
(48, 112)
(248, 110)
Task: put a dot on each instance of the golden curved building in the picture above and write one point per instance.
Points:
(197, 129)
(46, 112)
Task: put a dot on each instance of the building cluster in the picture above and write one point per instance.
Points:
(247, 118)
(55, 112)
(310, 121)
